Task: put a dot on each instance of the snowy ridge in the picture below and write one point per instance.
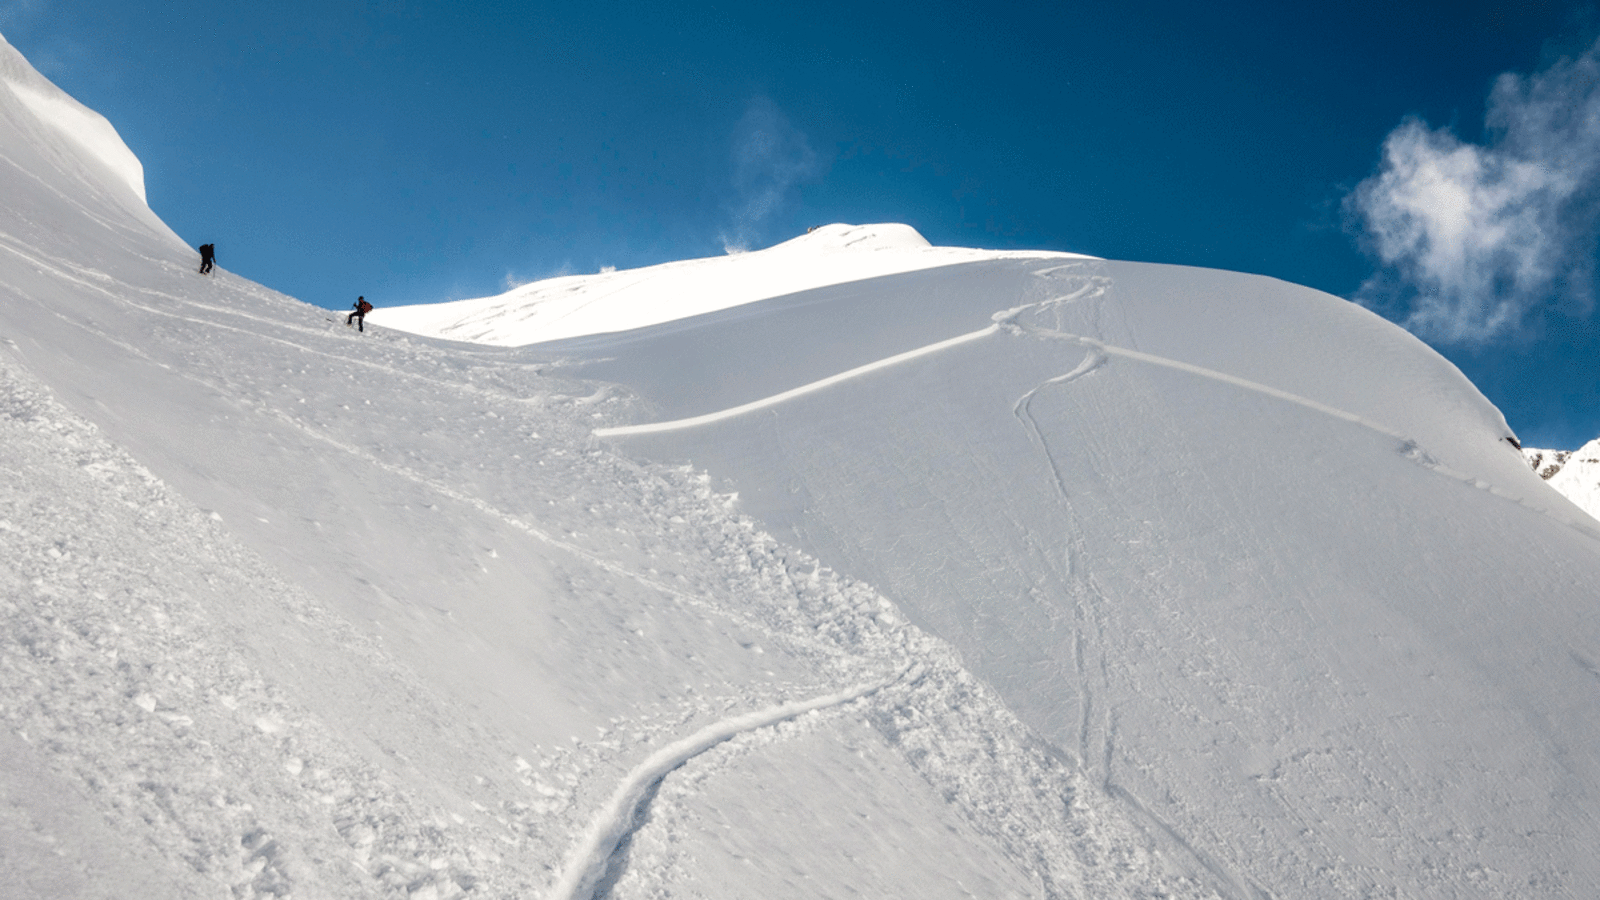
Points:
(273, 863)
(83, 128)
(274, 848)
(579, 305)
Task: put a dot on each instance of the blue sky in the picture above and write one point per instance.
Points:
(421, 151)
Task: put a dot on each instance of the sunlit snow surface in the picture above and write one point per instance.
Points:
(78, 140)
(578, 305)
(1044, 577)
(1575, 473)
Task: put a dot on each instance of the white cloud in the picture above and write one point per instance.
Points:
(1476, 240)
(770, 158)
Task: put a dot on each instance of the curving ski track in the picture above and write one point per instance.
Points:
(592, 859)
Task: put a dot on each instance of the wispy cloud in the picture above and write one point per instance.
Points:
(1475, 241)
(770, 159)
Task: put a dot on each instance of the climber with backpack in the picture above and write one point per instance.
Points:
(359, 317)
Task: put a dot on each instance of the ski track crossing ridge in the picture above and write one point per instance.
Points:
(1096, 727)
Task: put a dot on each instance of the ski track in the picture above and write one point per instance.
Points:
(591, 858)
(1406, 446)
(776, 399)
(1093, 360)
(1097, 728)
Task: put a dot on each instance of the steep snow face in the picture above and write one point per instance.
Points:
(578, 305)
(1575, 473)
(80, 130)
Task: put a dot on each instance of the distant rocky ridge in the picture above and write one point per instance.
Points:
(1575, 473)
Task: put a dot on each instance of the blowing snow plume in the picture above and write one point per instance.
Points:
(770, 157)
(1476, 240)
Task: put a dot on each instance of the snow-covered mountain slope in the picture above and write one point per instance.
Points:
(1575, 473)
(1066, 578)
(578, 305)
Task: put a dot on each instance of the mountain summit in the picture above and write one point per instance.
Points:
(817, 571)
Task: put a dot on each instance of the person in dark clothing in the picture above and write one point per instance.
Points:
(208, 255)
(359, 317)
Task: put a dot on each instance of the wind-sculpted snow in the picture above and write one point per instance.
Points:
(43, 125)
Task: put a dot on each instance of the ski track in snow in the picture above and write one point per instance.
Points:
(592, 859)
(1097, 728)
(1093, 360)
(776, 399)
(1406, 446)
